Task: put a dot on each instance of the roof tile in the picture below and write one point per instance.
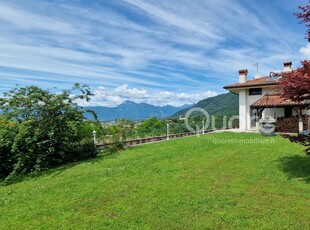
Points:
(274, 100)
(255, 82)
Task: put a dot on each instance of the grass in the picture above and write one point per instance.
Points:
(189, 183)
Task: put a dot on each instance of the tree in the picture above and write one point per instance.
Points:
(304, 15)
(296, 84)
(116, 134)
(152, 127)
(40, 129)
(296, 87)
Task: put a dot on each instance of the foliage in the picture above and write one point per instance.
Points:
(304, 15)
(176, 126)
(123, 129)
(296, 84)
(8, 131)
(152, 127)
(117, 133)
(302, 139)
(128, 130)
(208, 182)
(40, 129)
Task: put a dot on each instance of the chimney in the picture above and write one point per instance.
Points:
(287, 66)
(243, 76)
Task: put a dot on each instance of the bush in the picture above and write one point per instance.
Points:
(152, 127)
(8, 131)
(303, 139)
(40, 130)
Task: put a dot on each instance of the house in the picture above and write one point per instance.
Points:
(258, 99)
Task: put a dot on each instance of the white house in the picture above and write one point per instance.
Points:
(258, 99)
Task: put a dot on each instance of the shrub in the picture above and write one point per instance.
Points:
(8, 131)
(40, 130)
(152, 127)
(303, 139)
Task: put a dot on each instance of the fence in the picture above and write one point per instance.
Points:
(152, 139)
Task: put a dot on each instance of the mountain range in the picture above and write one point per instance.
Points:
(221, 105)
(134, 111)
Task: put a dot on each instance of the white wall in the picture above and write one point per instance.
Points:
(242, 110)
(246, 100)
(306, 112)
(277, 112)
(280, 112)
(251, 99)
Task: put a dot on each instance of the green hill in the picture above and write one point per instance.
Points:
(221, 105)
(189, 183)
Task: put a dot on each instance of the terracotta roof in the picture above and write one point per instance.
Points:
(252, 83)
(274, 100)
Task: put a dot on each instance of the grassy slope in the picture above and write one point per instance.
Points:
(184, 183)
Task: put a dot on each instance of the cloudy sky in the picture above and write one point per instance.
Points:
(156, 51)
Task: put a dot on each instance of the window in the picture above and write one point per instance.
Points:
(288, 112)
(254, 118)
(255, 91)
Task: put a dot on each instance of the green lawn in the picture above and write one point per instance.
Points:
(188, 183)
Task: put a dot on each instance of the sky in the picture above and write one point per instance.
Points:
(162, 52)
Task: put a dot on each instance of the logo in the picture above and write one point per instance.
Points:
(205, 124)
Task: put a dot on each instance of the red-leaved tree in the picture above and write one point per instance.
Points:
(304, 15)
(296, 84)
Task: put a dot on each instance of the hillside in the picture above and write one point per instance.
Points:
(134, 111)
(223, 104)
(188, 183)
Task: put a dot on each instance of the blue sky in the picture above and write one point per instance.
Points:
(160, 52)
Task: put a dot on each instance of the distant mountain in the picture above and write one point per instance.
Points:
(223, 104)
(134, 111)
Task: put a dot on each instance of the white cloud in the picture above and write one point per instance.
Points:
(27, 20)
(114, 97)
(152, 44)
(305, 52)
(176, 20)
(133, 93)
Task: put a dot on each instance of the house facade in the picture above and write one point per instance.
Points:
(258, 99)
